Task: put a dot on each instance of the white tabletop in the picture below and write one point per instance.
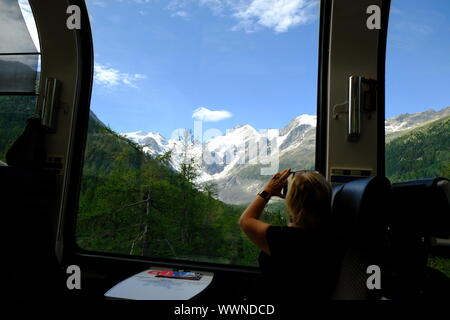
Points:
(146, 286)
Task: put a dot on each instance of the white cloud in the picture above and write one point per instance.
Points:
(253, 15)
(279, 15)
(204, 114)
(110, 77)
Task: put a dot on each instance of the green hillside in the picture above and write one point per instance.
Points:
(14, 112)
(420, 153)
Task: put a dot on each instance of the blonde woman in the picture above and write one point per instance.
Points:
(299, 256)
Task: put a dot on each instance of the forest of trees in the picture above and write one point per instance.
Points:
(420, 153)
(132, 203)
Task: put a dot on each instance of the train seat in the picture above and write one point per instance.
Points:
(420, 213)
(359, 220)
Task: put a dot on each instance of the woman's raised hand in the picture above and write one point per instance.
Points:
(277, 182)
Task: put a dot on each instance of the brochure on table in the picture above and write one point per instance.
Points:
(147, 285)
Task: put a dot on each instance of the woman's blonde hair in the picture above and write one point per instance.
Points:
(308, 200)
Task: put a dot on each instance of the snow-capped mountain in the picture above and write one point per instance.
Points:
(153, 143)
(236, 160)
(236, 148)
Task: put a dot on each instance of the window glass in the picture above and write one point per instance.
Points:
(417, 95)
(417, 90)
(17, 28)
(19, 70)
(195, 105)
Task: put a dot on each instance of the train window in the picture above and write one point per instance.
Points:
(19, 70)
(195, 105)
(417, 96)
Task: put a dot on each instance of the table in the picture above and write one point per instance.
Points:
(146, 286)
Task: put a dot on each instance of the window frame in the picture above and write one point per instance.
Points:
(322, 86)
(381, 103)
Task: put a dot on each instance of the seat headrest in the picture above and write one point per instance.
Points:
(423, 206)
(357, 206)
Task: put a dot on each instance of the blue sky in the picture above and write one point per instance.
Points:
(255, 61)
(418, 56)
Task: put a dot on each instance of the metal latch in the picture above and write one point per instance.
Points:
(48, 111)
(362, 98)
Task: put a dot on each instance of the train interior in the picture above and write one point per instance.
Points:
(395, 225)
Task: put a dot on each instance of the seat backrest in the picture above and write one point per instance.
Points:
(422, 206)
(420, 210)
(359, 220)
(27, 198)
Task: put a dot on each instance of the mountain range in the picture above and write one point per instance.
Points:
(239, 161)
